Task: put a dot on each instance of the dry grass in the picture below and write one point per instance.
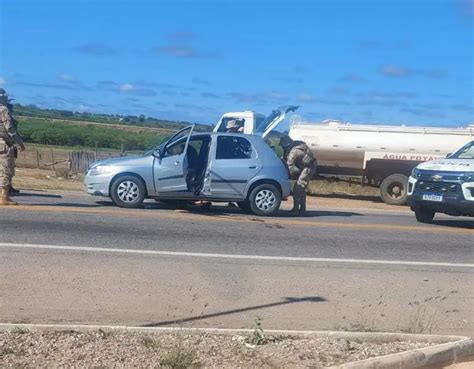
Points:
(122, 349)
(38, 179)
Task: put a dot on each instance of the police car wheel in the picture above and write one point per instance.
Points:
(424, 215)
(265, 200)
(127, 192)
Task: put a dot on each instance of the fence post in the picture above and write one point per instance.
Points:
(37, 159)
(52, 160)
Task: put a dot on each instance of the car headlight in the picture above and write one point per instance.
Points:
(100, 169)
(415, 172)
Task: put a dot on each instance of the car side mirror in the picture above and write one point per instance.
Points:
(448, 155)
(157, 153)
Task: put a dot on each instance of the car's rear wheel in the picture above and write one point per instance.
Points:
(128, 192)
(265, 200)
(424, 215)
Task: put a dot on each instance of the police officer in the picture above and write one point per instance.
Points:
(301, 166)
(8, 139)
(12, 162)
(234, 126)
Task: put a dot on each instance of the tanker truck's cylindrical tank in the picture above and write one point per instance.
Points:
(344, 145)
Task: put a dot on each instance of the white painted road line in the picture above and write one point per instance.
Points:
(230, 256)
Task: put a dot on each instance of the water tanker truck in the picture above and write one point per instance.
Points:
(380, 155)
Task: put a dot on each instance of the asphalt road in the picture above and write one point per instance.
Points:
(68, 258)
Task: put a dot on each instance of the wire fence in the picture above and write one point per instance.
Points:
(73, 161)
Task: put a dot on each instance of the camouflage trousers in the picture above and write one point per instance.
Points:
(305, 176)
(299, 189)
(7, 166)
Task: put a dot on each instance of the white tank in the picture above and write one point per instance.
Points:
(344, 144)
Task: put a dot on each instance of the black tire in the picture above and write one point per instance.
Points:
(245, 206)
(424, 215)
(128, 192)
(393, 189)
(265, 200)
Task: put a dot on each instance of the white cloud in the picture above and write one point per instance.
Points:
(67, 78)
(306, 97)
(81, 108)
(2, 81)
(395, 71)
(126, 87)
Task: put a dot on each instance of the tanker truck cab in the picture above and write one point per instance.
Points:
(255, 123)
(443, 186)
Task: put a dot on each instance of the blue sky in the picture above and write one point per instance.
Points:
(363, 61)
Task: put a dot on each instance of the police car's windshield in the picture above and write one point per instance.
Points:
(466, 152)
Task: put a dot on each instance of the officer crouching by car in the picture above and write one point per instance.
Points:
(301, 166)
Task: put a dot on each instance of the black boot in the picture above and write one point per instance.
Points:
(13, 191)
(302, 211)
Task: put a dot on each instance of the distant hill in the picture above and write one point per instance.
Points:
(33, 111)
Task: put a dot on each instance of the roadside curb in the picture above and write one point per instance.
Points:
(448, 349)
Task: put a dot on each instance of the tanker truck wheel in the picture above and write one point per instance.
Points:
(393, 189)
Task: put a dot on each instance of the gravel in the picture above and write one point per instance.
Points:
(104, 349)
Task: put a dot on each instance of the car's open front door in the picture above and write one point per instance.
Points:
(170, 167)
(274, 119)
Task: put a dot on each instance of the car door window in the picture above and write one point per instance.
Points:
(231, 147)
(176, 148)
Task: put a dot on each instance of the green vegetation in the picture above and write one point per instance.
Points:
(47, 132)
(257, 337)
(32, 111)
(109, 131)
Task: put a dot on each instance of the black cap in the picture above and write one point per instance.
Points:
(2, 91)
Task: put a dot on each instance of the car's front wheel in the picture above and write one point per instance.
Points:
(424, 215)
(128, 192)
(265, 200)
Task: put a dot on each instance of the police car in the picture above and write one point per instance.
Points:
(443, 186)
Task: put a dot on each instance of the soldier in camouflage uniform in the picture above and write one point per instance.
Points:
(301, 166)
(8, 139)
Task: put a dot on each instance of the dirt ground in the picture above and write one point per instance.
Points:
(40, 179)
(98, 348)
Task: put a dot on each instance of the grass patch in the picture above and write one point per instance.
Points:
(257, 337)
(180, 358)
(149, 343)
(19, 330)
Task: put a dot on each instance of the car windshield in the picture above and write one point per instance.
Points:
(466, 152)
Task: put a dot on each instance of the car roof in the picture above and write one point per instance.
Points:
(249, 136)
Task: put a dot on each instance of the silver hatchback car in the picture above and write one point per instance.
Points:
(217, 167)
